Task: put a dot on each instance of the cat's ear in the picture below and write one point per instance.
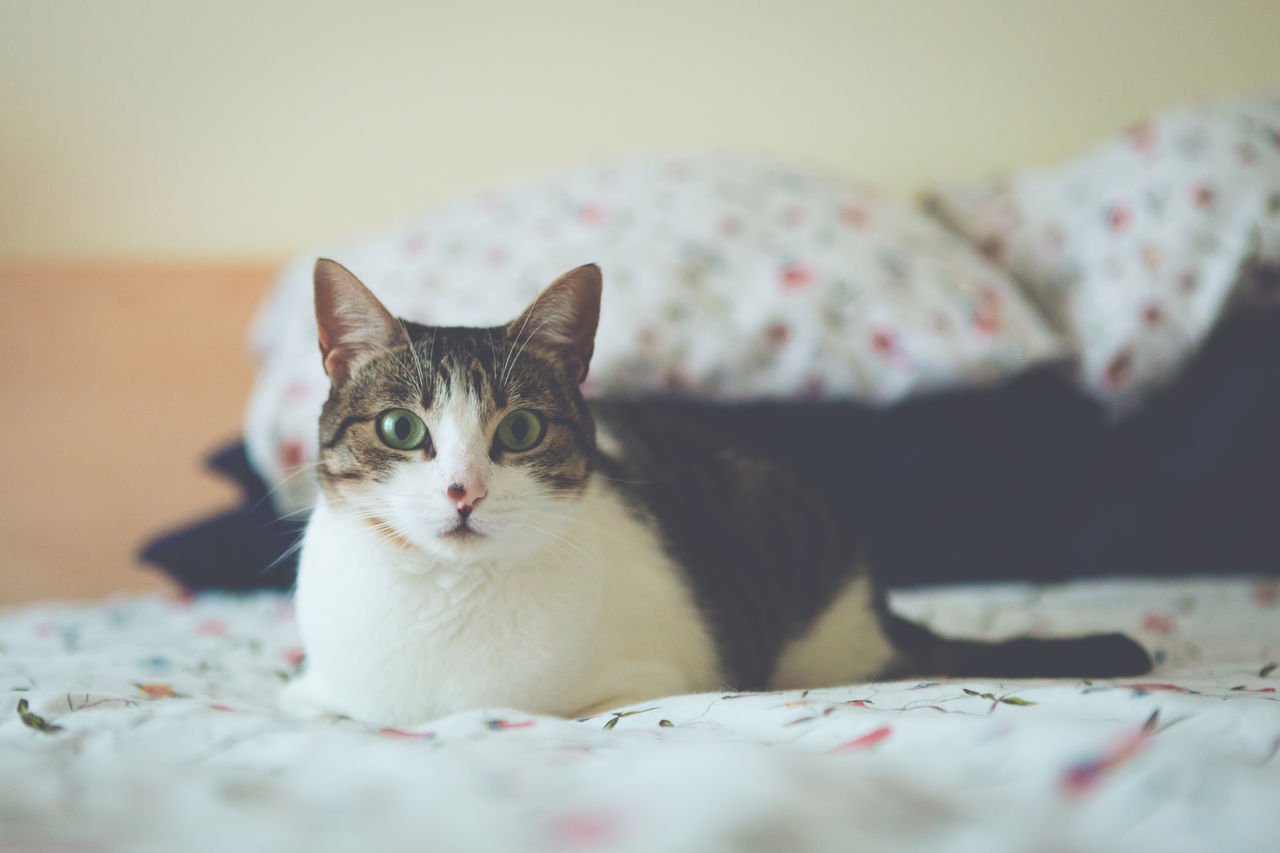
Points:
(352, 323)
(563, 318)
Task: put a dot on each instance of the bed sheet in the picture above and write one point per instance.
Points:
(148, 723)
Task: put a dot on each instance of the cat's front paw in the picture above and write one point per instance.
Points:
(299, 698)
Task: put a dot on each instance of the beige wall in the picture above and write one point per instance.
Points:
(244, 128)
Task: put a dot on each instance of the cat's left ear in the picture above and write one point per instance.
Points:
(564, 318)
(352, 323)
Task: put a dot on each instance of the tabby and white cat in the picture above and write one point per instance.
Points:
(486, 538)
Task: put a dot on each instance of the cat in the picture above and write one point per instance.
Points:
(485, 537)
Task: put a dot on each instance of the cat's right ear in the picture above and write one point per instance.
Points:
(563, 319)
(352, 323)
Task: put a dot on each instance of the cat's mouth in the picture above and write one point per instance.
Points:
(462, 532)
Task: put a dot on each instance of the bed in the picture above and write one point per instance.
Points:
(150, 722)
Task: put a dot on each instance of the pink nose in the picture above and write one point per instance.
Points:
(465, 500)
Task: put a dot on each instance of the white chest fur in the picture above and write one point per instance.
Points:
(565, 631)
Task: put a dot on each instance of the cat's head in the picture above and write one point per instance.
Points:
(464, 444)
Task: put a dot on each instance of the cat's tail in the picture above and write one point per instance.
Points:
(1090, 656)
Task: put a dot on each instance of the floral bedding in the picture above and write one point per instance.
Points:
(150, 723)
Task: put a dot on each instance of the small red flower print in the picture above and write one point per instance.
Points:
(730, 226)
(796, 276)
(503, 725)
(583, 829)
(213, 628)
(1153, 315)
(495, 256)
(855, 217)
(814, 388)
(1053, 238)
(992, 248)
(1158, 622)
(675, 381)
(417, 243)
(869, 739)
(401, 733)
(290, 453)
(1188, 281)
(648, 339)
(778, 334)
(939, 322)
(986, 314)
(1142, 135)
(1246, 154)
(793, 215)
(1155, 687)
(157, 691)
(592, 214)
(1080, 779)
(882, 341)
(1266, 593)
(1202, 195)
(1118, 370)
(1151, 256)
(1118, 218)
(293, 657)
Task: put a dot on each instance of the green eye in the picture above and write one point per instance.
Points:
(520, 430)
(401, 429)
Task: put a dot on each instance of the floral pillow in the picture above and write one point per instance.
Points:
(726, 278)
(1136, 248)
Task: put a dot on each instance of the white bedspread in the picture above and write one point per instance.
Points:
(150, 723)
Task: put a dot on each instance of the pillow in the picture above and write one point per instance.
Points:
(1135, 249)
(726, 278)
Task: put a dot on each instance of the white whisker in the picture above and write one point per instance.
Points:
(413, 350)
(516, 358)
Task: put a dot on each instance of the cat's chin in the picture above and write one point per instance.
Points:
(463, 546)
(461, 543)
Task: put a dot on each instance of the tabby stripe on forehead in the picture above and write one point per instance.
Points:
(476, 378)
(346, 423)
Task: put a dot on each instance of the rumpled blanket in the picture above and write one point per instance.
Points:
(148, 723)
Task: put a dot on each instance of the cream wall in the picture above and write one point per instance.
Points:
(243, 129)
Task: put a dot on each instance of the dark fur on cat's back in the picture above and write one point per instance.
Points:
(768, 538)
(765, 543)
(765, 550)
